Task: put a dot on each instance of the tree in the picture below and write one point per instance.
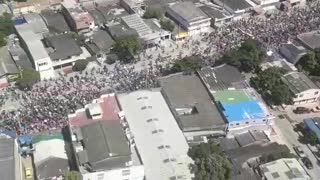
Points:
(210, 162)
(3, 41)
(152, 13)
(247, 57)
(269, 84)
(285, 153)
(80, 65)
(27, 78)
(310, 63)
(126, 48)
(167, 25)
(6, 24)
(72, 175)
(310, 138)
(191, 63)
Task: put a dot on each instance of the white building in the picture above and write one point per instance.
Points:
(160, 143)
(302, 87)
(285, 168)
(189, 17)
(33, 46)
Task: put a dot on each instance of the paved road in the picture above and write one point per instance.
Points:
(291, 139)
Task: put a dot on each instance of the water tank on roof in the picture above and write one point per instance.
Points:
(19, 20)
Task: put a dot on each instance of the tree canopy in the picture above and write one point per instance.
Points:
(6, 28)
(247, 57)
(152, 13)
(72, 175)
(191, 63)
(80, 65)
(27, 78)
(285, 153)
(126, 48)
(166, 25)
(269, 84)
(310, 63)
(210, 162)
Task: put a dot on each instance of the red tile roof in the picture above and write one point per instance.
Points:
(110, 110)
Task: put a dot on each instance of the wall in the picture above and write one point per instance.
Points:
(130, 173)
(307, 96)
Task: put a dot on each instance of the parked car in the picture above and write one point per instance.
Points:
(302, 110)
(28, 173)
(306, 161)
(299, 151)
(316, 109)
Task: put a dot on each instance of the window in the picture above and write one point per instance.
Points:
(143, 107)
(264, 120)
(154, 132)
(317, 92)
(126, 172)
(173, 159)
(237, 124)
(247, 122)
(100, 176)
(301, 95)
(166, 160)
(149, 120)
(139, 98)
(160, 147)
(168, 146)
(42, 64)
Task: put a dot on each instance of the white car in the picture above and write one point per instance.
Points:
(299, 151)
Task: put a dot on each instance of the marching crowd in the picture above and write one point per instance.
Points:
(47, 105)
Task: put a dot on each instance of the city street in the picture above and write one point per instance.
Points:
(285, 130)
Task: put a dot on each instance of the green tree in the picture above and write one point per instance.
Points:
(72, 175)
(6, 24)
(191, 63)
(3, 41)
(210, 163)
(247, 57)
(152, 13)
(126, 48)
(80, 65)
(310, 63)
(167, 25)
(269, 84)
(285, 153)
(27, 78)
(310, 138)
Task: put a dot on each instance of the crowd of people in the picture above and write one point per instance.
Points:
(46, 106)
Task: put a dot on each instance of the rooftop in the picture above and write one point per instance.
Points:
(121, 30)
(81, 17)
(55, 21)
(222, 77)
(104, 145)
(191, 103)
(233, 5)
(298, 82)
(109, 111)
(161, 144)
(100, 41)
(33, 41)
(62, 46)
(36, 22)
(135, 22)
(291, 52)
(285, 168)
(239, 105)
(7, 162)
(212, 12)
(310, 39)
(188, 11)
(7, 65)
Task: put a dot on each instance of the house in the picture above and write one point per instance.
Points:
(310, 40)
(302, 87)
(77, 18)
(285, 168)
(8, 159)
(192, 106)
(292, 53)
(101, 142)
(9, 71)
(189, 17)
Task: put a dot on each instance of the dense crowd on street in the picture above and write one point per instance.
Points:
(46, 106)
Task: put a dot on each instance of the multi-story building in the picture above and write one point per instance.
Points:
(189, 17)
(102, 147)
(77, 18)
